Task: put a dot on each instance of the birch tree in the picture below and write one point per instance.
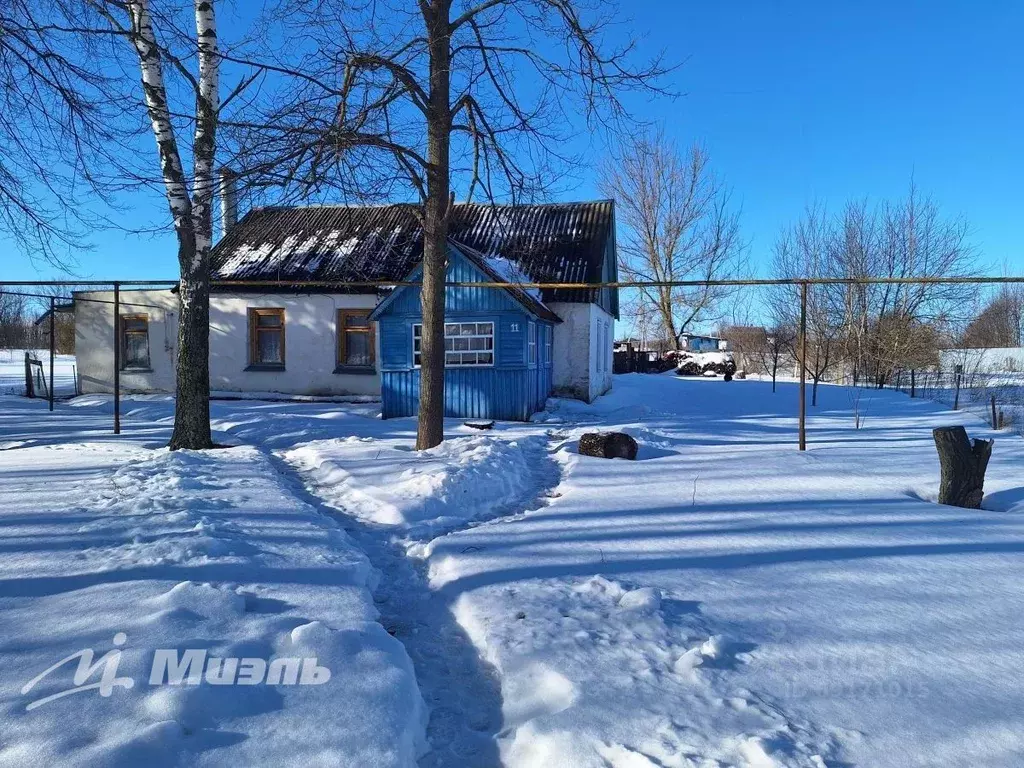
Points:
(78, 56)
(679, 226)
(191, 210)
(436, 99)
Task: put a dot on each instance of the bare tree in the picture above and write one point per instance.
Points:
(13, 333)
(58, 113)
(679, 226)
(1000, 323)
(779, 341)
(808, 250)
(431, 99)
(893, 327)
(876, 330)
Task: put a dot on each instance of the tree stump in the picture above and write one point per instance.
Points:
(963, 463)
(608, 445)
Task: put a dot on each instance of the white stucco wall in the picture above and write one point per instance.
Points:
(94, 339)
(994, 360)
(582, 365)
(310, 343)
(602, 335)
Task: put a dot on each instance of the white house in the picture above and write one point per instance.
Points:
(293, 339)
(992, 360)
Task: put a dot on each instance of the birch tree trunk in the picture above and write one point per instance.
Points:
(430, 431)
(192, 215)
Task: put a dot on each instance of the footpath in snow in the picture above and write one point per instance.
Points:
(723, 601)
(114, 543)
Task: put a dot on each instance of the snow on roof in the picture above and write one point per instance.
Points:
(553, 242)
(510, 272)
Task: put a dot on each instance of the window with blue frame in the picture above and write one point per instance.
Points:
(532, 343)
(466, 345)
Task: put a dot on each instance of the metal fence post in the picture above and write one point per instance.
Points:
(29, 388)
(53, 345)
(117, 358)
(803, 366)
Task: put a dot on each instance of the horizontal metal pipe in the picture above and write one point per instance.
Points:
(72, 299)
(794, 281)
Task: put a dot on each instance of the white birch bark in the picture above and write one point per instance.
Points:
(193, 221)
(155, 95)
(204, 146)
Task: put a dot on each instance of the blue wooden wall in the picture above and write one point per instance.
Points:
(511, 389)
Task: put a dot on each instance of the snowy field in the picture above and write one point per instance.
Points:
(12, 371)
(722, 601)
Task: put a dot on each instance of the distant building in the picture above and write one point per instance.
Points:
(695, 342)
(995, 360)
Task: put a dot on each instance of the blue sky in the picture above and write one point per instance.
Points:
(798, 101)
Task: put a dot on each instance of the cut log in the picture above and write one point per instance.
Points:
(608, 445)
(963, 463)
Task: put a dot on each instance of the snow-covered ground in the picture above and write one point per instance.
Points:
(12, 371)
(724, 600)
(181, 551)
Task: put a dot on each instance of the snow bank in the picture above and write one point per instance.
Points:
(108, 543)
(422, 492)
(596, 673)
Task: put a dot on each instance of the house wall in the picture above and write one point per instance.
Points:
(582, 365)
(94, 340)
(310, 343)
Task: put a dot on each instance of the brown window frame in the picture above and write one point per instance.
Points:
(342, 329)
(123, 341)
(254, 331)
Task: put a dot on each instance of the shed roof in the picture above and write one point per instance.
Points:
(526, 299)
(552, 242)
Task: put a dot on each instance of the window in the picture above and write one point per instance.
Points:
(533, 343)
(266, 337)
(134, 341)
(465, 344)
(355, 338)
(548, 334)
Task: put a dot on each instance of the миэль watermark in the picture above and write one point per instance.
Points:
(171, 667)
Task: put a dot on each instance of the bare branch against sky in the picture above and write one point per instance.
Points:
(426, 103)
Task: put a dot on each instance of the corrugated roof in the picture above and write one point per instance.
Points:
(552, 242)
